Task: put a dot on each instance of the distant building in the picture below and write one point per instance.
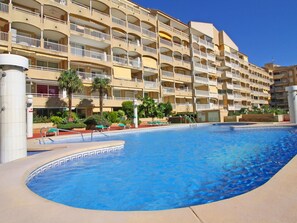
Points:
(283, 76)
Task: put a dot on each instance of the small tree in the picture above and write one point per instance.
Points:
(127, 107)
(101, 85)
(71, 83)
(165, 108)
(149, 108)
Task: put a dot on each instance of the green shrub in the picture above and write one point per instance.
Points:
(128, 108)
(71, 125)
(93, 120)
(113, 117)
(57, 120)
(41, 119)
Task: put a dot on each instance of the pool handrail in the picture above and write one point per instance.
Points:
(64, 130)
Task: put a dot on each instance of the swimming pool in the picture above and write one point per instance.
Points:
(170, 169)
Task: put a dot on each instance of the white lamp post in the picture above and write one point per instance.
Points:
(13, 140)
(135, 119)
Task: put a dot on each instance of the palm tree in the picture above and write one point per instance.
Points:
(71, 83)
(101, 85)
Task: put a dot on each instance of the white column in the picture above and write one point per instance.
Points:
(292, 101)
(13, 140)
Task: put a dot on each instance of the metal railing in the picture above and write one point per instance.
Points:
(167, 58)
(57, 130)
(3, 36)
(46, 68)
(80, 4)
(148, 33)
(151, 84)
(4, 7)
(118, 21)
(26, 41)
(90, 54)
(149, 49)
(89, 31)
(46, 17)
(166, 42)
(134, 27)
(26, 11)
(166, 73)
(55, 46)
(120, 60)
(91, 76)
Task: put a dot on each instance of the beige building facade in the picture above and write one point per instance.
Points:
(143, 52)
(283, 76)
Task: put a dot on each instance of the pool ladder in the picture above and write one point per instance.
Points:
(43, 134)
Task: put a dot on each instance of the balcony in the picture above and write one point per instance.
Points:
(172, 29)
(119, 21)
(229, 85)
(237, 87)
(200, 53)
(166, 58)
(183, 77)
(55, 47)
(120, 60)
(201, 68)
(47, 73)
(168, 90)
(227, 74)
(134, 27)
(236, 76)
(3, 36)
(187, 92)
(90, 32)
(201, 80)
(134, 83)
(166, 42)
(154, 85)
(167, 74)
(4, 7)
(184, 107)
(200, 93)
(26, 16)
(26, 41)
(90, 76)
(230, 96)
(203, 42)
(210, 106)
(148, 33)
(150, 50)
(90, 54)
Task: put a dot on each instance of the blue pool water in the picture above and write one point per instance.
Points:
(170, 169)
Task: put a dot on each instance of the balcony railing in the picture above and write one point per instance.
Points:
(149, 49)
(55, 46)
(134, 27)
(120, 60)
(134, 63)
(89, 31)
(90, 54)
(201, 93)
(62, 2)
(26, 41)
(173, 29)
(168, 90)
(3, 36)
(151, 84)
(166, 42)
(201, 80)
(26, 11)
(3, 7)
(148, 33)
(166, 73)
(46, 17)
(201, 67)
(167, 58)
(52, 69)
(206, 106)
(80, 4)
(118, 21)
(91, 76)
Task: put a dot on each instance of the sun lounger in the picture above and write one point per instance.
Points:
(52, 131)
(101, 127)
(122, 125)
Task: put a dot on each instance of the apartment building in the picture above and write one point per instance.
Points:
(283, 76)
(143, 52)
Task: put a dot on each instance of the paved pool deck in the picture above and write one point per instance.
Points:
(273, 202)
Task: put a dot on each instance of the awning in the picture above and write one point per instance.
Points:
(165, 35)
(122, 73)
(149, 62)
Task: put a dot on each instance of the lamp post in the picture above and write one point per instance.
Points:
(135, 116)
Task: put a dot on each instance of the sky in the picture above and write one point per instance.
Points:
(264, 30)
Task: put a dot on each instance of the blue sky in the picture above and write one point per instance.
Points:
(265, 30)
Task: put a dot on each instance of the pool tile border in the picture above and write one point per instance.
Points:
(66, 159)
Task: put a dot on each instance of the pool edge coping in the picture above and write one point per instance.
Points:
(22, 200)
